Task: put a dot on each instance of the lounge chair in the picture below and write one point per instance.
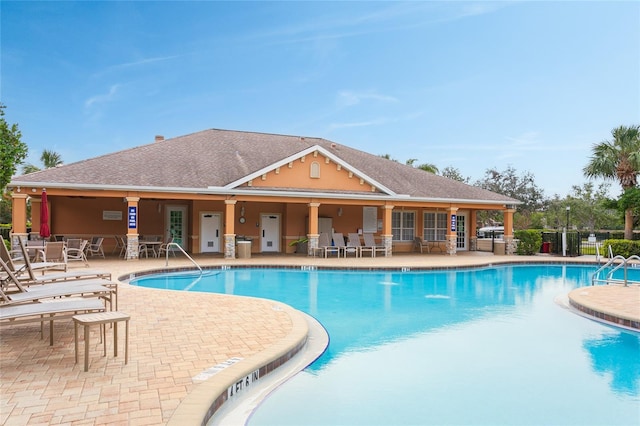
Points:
(338, 240)
(324, 245)
(48, 311)
(22, 264)
(106, 290)
(419, 244)
(354, 241)
(369, 241)
(32, 278)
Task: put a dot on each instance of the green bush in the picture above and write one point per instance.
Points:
(530, 241)
(624, 248)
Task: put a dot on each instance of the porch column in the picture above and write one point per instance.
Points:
(473, 230)
(132, 228)
(313, 235)
(36, 222)
(18, 218)
(509, 241)
(452, 234)
(387, 233)
(229, 229)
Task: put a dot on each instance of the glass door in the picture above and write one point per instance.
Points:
(176, 225)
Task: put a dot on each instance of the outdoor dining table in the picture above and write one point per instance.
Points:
(154, 245)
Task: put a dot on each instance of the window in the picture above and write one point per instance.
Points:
(315, 170)
(435, 226)
(403, 225)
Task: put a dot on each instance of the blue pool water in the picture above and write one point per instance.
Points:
(486, 346)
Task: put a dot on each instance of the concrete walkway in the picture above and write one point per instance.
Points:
(177, 337)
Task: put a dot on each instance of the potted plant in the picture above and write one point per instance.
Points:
(301, 245)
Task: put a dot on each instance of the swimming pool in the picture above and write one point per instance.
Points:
(472, 346)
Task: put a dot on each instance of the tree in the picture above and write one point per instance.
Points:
(522, 188)
(49, 160)
(12, 150)
(455, 174)
(618, 159)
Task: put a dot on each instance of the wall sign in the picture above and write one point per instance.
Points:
(111, 215)
(453, 222)
(133, 217)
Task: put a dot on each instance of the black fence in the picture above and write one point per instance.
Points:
(578, 243)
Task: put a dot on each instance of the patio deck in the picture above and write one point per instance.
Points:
(176, 336)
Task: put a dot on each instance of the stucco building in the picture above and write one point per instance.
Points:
(209, 189)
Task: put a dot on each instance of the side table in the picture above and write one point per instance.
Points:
(101, 318)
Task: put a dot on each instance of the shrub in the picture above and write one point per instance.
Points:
(529, 241)
(624, 248)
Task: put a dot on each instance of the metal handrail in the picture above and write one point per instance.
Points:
(185, 253)
(623, 264)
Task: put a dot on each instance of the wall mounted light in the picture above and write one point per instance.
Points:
(242, 211)
(339, 211)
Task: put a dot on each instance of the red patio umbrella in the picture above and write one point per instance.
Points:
(44, 217)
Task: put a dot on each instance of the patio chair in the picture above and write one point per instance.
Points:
(121, 245)
(164, 248)
(21, 264)
(30, 270)
(95, 248)
(419, 244)
(76, 250)
(370, 241)
(338, 240)
(55, 254)
(354, 240)
(324, 245)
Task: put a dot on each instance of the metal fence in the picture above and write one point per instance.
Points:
(578, 243)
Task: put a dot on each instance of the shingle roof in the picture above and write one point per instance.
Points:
(215, 158)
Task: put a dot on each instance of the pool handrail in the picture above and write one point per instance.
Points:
(624, 262)
(172, 244)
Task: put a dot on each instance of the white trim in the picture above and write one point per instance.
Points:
(308, 151)
(218, 190)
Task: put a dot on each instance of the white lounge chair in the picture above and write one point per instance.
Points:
(100, 288)
(354, 240)
(324, 245)
(48, 311)
(338, 240)
(369, 241)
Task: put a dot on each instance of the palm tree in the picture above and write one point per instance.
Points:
(49, 159)
(619, 160)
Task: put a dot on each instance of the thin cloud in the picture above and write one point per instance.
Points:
(101, 99)
(377, 122)
(349, 98)
(134, 64)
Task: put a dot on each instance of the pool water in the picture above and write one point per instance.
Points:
(487, 346)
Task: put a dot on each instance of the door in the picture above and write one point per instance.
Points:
(461, 232)
(176, 225)
(270, 235)
(325, 225)
(209, 232)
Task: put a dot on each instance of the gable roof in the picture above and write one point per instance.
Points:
(219, 161)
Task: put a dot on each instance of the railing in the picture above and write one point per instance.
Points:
(182, 250)
(619, 262)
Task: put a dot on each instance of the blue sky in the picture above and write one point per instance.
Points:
(471, 85)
